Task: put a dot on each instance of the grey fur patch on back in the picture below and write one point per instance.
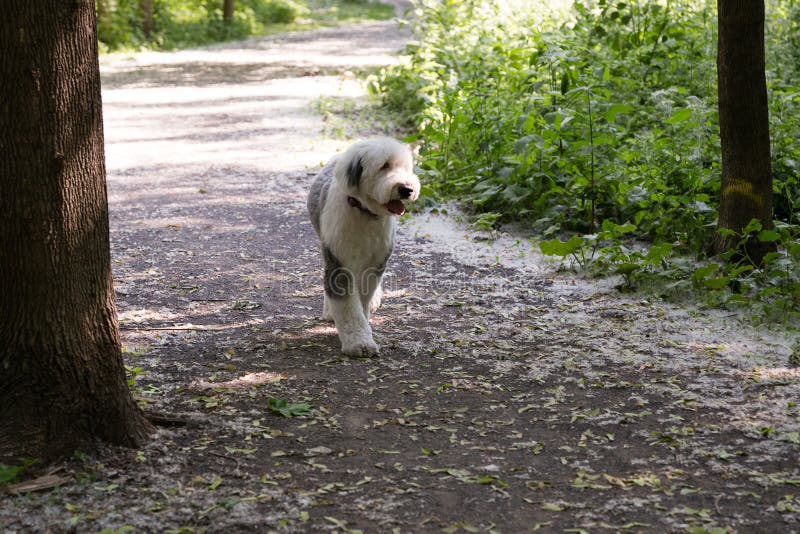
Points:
(338, 279)
(318, 194)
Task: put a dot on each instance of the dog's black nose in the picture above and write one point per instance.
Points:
(405, 192)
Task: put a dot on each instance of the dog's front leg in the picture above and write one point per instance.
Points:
(354, 330)
(371, 292)
(344, 304)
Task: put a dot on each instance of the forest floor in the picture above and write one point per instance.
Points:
(508, 396)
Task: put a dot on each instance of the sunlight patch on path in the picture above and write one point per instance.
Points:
(270, 126)
(236, 103)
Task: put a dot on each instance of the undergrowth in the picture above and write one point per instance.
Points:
(185, 23)
(598, 125)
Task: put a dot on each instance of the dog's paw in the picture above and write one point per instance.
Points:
(361, 349)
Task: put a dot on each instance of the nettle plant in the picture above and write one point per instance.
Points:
(550, 125)
(773, 282)
(600, 127)
(610, 251)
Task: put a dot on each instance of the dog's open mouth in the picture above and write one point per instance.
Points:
(395, 206)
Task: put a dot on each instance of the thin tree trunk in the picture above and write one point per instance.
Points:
(146, 9)
(62, 380)
(746, 191)
(227, 10)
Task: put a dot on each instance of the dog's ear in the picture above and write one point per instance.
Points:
(354, 170)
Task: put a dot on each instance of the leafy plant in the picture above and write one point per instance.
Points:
(183, 23)
(9, 473)
(600, 124)
(133, 371)
(288, 409)
(576, 248)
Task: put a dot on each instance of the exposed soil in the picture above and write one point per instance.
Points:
(507, 396)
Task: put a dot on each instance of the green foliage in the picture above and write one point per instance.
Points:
(134, 371)
(288, 409)
(606, 115)
(9, 473)
(774, 282)
(119, 25)
(183, 23)
(610, 252)
(586, 121)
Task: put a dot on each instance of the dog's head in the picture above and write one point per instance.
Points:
(379, 174)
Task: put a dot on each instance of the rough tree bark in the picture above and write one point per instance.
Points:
(746, 191)
(62, 380)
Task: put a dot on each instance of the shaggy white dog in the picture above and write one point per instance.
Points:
(353, 204)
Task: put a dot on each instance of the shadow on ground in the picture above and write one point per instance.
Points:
(505, 399)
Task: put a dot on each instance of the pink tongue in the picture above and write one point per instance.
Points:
(396, 207)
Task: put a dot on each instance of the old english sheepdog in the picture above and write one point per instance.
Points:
(352, 204)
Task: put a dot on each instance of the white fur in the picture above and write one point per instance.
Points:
(360, 241)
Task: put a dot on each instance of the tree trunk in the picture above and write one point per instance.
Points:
(62, 380)
(146, 8)
(227, 10)
(746, 191)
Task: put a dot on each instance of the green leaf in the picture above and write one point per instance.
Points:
(556, 247)
(716, 283)
(739, 270)
(287, 409)
(611, 113)
(658, 252)
(627, 268)
(753, 226)
(768, 236)
(516, 194)
(680, 116)
(617, 229)
(704, 271)
(491, 480)
(791, 437)
(9, 473)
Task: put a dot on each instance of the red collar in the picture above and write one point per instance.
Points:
(355, 203)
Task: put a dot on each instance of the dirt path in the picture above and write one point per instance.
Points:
(506, 399)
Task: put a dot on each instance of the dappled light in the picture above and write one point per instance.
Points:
(244, 381)
(551, 355)
(778, 372)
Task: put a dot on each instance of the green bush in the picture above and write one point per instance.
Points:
(120, 25)
(605, 116)
(181, 23)
(281, 11)
(570, 126)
